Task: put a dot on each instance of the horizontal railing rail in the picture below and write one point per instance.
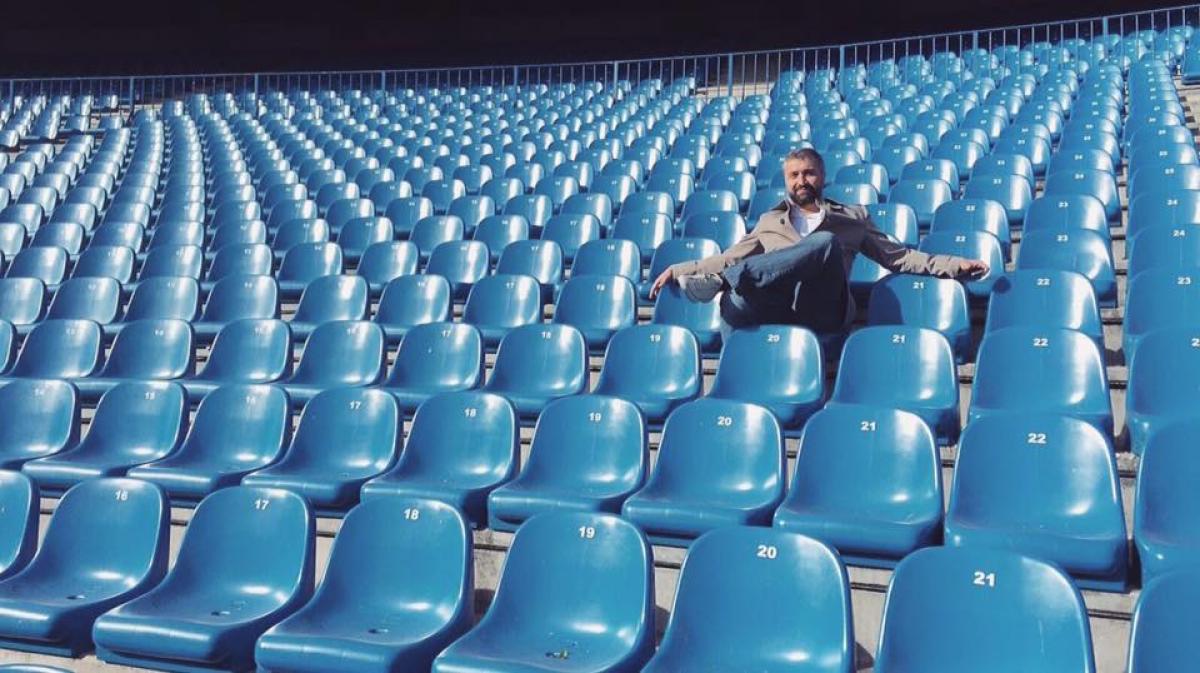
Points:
(731, 73)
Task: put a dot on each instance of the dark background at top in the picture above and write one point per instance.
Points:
(44, 37)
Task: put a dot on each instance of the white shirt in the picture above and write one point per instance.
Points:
(804, 221)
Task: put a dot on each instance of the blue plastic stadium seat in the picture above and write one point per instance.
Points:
(95, 299)
(145, 350)
(237, 429)
(589, 453)
(1159, 298)
(338, 353)
(48, 265)
(239, 259)
(867, 482)
(1084, 252)
(1045, 298)
(405, 212)
(536, 208)
(571, 231)
(1099, 184)
(60, 349)
(459, 468)
(598, 205)
(385, 261)
(384, 619)
(1164, 529)
(538, 363)
(657, 367)
(924, 196)
(472, 210)
(720, 463)
(135, 423)
(498, 231)
(409, 301)
(430, 232)
(776, 366)
(357, 235)
(910, 368)
(735, 606)
(542, 260)
(122, 234)
(38, 418)
(1041, 369)
(1167, 209)
(528, 626)
(935, 303)
(107, 542)
(499, 303)
(1159, 393)
(703, 319)
(971, 245)
(1160, 641)
(1070, 515)
(299, 231)
(222, 592)
(725, 229)
(598, 306)
(672, 252)
(1163, 248)
(647, 230)
(462, 263)
(329, 298)
(969, 215)
(246, 351)
(608, 258)
(20, 498)
(365, 426)
(304, 263)
(22, 302)
(956, 609)
(435, 358)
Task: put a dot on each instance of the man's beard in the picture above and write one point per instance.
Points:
(803, 198)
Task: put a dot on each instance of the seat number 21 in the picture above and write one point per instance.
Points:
(983, 579)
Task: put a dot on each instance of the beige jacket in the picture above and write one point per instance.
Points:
(854, 231)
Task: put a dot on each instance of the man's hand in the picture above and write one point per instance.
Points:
(973, 268)
(661, 282)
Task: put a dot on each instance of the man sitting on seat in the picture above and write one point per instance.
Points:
(792, 267)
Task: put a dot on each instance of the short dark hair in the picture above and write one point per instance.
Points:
(806, 154)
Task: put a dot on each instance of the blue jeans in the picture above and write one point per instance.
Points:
(804, 284)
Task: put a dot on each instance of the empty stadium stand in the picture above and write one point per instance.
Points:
(360, 371)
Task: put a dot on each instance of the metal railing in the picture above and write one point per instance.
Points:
(734, 74)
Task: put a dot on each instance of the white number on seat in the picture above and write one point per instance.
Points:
(1062, 238)
(1035, 438)
(412, 514)
(655, 338)
(898, 338)
(1178, 233)
(983, 579)
(918, 285)
(587, 532)
(767, 551)
(772, 338)
(866, 426)
(1041, 342)
(1183, 280)
(1195, 342)
(1043, 282)
(261, 504)
(122, 495)
(595, 417)
(356, 404)
(725, 421)
(471, 412)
